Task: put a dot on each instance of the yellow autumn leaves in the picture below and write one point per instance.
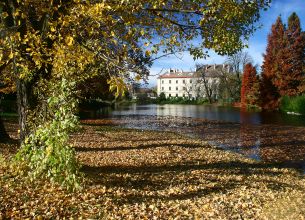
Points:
(117, 27)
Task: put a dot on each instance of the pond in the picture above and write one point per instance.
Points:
(210, 112)
(270, 136)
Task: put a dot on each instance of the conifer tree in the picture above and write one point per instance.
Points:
(269, 92)
(291, 60)
(250, 86)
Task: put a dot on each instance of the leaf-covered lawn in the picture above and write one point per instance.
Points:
(135, 174)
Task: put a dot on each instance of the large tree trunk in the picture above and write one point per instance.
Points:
(23, 107)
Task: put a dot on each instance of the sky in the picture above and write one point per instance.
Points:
(257, 43)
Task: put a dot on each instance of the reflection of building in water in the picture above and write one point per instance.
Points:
(173, 110)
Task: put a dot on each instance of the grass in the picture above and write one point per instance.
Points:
(135, 174)
(293, 104)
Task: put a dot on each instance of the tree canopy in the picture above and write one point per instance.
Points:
(51, 35)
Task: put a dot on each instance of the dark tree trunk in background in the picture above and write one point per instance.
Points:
(3, 134)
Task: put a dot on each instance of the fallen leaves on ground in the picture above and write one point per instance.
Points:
(140, 174)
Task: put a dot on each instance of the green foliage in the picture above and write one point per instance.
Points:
(293, 104)
(162, 97)
(229, 87)
(143, 99)
(180, 100)
(46, 152)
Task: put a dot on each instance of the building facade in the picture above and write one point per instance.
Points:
(201, 83)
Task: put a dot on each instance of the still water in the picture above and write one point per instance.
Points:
(228, 114)
(272, 137)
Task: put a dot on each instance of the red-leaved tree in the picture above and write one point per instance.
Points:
(291, 59)
(250, 86)
(269, 92)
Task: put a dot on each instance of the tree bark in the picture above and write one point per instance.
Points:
(23, 105)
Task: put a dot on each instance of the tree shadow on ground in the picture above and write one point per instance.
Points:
(147, 182)
(138, 147)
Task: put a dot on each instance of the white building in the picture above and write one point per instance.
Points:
(199, 84)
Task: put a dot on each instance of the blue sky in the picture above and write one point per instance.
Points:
(257, 43)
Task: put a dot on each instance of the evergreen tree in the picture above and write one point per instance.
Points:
(250, 86)
(269, 92)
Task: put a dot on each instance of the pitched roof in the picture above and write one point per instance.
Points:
(210, 71)
(177, 75)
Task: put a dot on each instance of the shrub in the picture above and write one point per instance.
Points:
(46, 153)
(143, 99)
(293, 104)
(181, 100)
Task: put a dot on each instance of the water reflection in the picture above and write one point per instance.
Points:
(271, 137)
(229, 114)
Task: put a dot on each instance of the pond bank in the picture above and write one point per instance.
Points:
(138, 174)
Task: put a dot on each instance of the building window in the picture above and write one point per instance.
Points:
(184, 88)
(183, 81)
(190, 81)
(170, 95)
(177, 81)
(176, 95)
(170, 81)
(162, 81)
(176, 88)
(170, 88)
(162, 88)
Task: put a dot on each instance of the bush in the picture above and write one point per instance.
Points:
(143, 99)
(46, 152)
(293, 104)
(180, 100)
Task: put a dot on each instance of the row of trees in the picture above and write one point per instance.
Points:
(283, 69)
